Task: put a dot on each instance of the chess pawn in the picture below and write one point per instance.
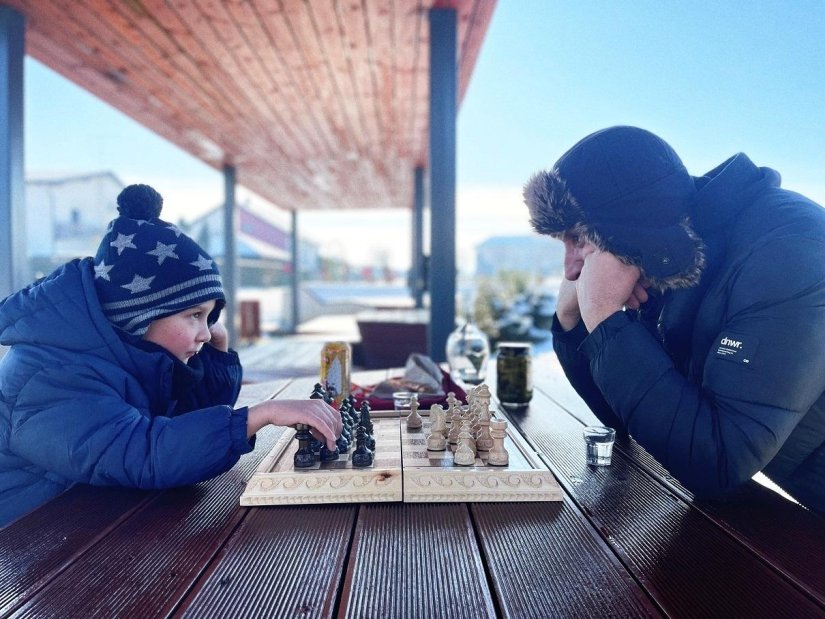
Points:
(362, 456)
(451, 400)
(498, 456)
(464, 455)
(304, 457)
(414, 420)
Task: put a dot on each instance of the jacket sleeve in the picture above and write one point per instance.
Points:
(70, 422)
(576, 367)
(716, 433)
(221, 384)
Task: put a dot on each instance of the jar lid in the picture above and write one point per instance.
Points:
(516, 348)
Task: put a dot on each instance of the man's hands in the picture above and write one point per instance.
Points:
(604, 286)
(324, 421)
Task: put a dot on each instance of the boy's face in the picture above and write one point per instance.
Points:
(182, 334)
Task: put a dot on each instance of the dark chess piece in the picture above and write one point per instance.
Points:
(328, 455)
(362, 456)
(365, 417)
(342, 442)
(304, 457)
(330, 392)
(318, 392)
(366, 423)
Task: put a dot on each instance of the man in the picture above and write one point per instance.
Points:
(692, 314)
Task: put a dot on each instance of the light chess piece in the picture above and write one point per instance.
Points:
(484, 442)
(437, 441)
(464, 454)
(414, 420)
(498, 455)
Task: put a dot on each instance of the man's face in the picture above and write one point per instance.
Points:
(575, 251)
(182, 334)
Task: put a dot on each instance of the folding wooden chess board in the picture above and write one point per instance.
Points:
(403, 470)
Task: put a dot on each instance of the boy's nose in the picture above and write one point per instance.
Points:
(205, 334)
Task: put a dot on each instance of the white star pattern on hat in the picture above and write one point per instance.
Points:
(164, 251)
(139, 284)
(102, 270)
(203, 263)
(123, 241)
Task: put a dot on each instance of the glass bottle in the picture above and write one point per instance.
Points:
(468, 351)
(336, 359)
(514, 378)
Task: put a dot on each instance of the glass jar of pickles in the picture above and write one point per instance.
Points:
(514, 385)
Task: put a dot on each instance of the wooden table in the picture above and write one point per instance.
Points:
(627, 541)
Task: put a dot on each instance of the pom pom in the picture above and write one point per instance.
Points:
(139, 202)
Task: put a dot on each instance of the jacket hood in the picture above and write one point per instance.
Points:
(62, 311)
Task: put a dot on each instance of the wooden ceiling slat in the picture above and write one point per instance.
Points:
(252, 78)
(360, 34)
(277, 87)
(189, 91)
(318, 103)
(96, 60)
(209, 45)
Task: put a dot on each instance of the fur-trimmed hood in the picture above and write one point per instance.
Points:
(626, 191)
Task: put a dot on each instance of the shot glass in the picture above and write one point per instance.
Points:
(401, 400)
(599, 442)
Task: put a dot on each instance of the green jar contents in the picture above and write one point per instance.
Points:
(514, 385)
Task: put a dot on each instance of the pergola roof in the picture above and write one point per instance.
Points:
(318, 104)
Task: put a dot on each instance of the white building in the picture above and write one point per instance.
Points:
(66, 217)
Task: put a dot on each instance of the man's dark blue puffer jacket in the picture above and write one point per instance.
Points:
(724, 379)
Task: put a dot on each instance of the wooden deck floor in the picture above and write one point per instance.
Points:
(291, 356)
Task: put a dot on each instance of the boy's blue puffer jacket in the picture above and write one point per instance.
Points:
(80, 404)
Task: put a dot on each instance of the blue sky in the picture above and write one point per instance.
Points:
(711, 77)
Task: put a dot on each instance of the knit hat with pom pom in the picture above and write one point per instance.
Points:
(146, 268)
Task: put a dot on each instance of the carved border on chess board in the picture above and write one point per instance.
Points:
(352, 485)
(413, 484)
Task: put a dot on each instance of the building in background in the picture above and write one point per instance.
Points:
(534, 256)
(263, 243)
(66, 217)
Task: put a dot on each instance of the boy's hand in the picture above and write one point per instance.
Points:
(324, 420)
(220, 337)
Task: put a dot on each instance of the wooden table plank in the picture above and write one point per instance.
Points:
(545, 561)
(415, 560)
(40, 545)
(145, 566)
(657, 535)
(780, 532)
(281, 562)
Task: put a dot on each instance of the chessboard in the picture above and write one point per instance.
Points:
(433, 477)
(278, 482)
(403, 470)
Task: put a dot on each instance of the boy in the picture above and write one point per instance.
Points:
(119, 373)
